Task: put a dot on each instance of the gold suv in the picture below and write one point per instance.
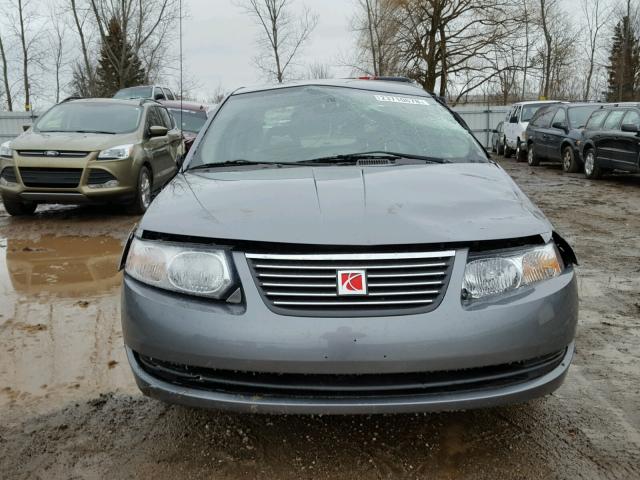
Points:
(91, 151)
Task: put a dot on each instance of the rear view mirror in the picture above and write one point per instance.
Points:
(159, 96)
(630, 127)
(25, 127)
(158, 131)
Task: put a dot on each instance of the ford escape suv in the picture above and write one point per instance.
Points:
(91, 151)
(345, 246)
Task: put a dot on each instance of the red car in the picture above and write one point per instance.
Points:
(189, 117)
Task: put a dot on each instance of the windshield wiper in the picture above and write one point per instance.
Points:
(93, 131)
(378, 154)
(239, 162)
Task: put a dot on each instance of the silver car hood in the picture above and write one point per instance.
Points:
(345, 205)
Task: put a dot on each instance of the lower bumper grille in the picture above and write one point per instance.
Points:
(392, 283)
(50, 177)
(344, 386)
(98, 177)
(9, 174)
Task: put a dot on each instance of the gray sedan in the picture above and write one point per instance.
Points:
(345, 247)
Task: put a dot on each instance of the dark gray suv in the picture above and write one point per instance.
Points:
(345, 247)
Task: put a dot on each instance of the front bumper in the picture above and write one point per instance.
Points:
(123, 171)
(531, 323)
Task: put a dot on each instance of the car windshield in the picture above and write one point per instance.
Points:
(528, 111)
(90, 117)
(134, 92)
(310, 122)
(578, 115)
(191, 121)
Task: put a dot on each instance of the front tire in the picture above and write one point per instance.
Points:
(532, 158)
(591, 169)
(570, 163)
(143, 193)
(17, 208)
(507, 149)
(519, 155)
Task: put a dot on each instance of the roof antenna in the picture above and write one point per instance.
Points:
(181, 133)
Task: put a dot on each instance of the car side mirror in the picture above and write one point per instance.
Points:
(158, 131)
(25, 127)
(513, 119)
(495, 130)
(630, 127)
(560, 125)
(159, 96)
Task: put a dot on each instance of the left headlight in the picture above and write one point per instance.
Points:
(121, 152)
(504, 272)
(192, 270)
(5, 150)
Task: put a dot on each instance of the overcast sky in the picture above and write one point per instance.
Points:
(220, 41)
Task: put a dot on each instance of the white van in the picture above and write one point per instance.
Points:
(515, 124)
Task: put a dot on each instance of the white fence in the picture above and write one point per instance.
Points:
(11, 124)
(482, 119)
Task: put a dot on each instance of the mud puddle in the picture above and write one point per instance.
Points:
(60, 337)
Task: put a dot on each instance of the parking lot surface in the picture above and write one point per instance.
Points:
(69, 407)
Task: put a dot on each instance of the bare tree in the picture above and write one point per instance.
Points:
(85, 72)
(25, 53)
(56, 44)
(445, 42)
(281, 33)
(319, 71)
(376, 26)
(596, 17)
(5, 76)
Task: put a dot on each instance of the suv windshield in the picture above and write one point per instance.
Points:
(309, 122)
(191, 121)
(134, 92)
(578, 115)
(90, 117)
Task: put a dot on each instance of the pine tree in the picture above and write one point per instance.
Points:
(624, 64)
(118, 66)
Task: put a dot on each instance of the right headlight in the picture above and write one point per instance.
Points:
(503, 272)
(193, 270)
(5, 150)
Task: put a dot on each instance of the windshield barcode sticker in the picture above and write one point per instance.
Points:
(407, 100)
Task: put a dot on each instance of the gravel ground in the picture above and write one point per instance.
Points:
(69, 408)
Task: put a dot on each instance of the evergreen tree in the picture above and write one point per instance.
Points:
(624, 64)
(118, 66)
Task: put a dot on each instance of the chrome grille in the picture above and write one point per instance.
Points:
(306, 284)
(53, 153)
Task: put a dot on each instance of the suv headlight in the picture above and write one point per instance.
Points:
(5, 150)
(121, 152)
(194, 270)
(503, 272)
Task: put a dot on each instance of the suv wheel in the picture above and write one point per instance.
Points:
(570, 163)
(143, 193)
(532, 158)
(519, 156)
(507, 150)
(17, 208)
(591, 169)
